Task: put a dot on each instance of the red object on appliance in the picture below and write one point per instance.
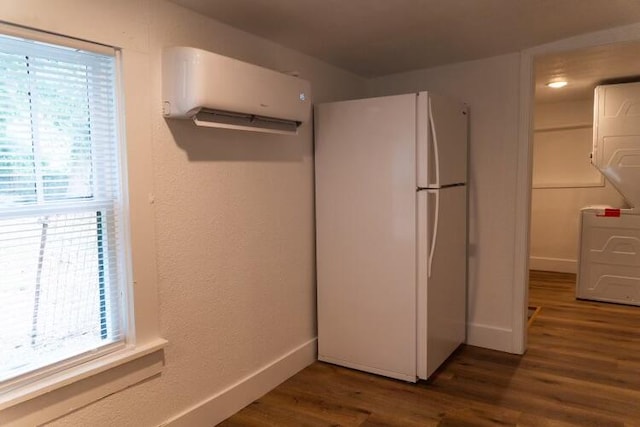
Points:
(610, 212)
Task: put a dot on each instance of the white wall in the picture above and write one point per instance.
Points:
(555, 211)
(491, 88)
(231, 222)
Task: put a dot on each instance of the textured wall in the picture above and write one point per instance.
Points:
(555, 212)
(233, 211)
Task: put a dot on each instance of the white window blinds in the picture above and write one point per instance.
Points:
(61, 245)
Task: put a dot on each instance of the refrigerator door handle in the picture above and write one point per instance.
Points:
(434, 235)
(434, 140)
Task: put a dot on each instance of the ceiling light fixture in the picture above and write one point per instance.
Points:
(557, 84)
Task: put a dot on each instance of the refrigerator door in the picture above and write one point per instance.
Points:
(366, 234)
(442, 275)
(442, 141)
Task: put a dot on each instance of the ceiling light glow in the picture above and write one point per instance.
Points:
(557, 84)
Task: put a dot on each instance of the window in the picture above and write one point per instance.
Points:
(62, 249)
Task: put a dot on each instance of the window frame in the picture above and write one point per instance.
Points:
(135, 359)
(105, 202)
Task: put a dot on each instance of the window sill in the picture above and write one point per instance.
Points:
(35, 403)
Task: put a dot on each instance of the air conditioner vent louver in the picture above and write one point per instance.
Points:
(251, 122)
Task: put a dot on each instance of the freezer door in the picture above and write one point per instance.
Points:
(442, 141)
(442, 275)
(366, 231)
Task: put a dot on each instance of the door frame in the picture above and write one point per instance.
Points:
(520, 295)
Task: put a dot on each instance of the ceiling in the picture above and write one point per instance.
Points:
(379, 37)
(584, 69)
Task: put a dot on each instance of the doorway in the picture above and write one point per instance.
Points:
(547, 193)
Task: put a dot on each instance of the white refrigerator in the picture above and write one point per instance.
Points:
(391, 230)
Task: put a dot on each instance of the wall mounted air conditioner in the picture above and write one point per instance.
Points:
(217, 91)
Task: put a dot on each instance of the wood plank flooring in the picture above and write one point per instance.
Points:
(582, 368)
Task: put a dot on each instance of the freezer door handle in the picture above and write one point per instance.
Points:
(434, 235)
(434, 139)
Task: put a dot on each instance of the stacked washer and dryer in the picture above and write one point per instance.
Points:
(609, 258)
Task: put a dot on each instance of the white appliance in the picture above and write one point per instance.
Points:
(609, 258)
(609, 255)
(391, 212)
(217, 91)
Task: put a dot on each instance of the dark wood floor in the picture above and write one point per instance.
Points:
(582, 368)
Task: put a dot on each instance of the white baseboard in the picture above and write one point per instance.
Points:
(225, 403)
(559, 265)
(491, 337)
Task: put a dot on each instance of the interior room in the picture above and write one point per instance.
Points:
(218, 274)
(566, 183)
(564, 180)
